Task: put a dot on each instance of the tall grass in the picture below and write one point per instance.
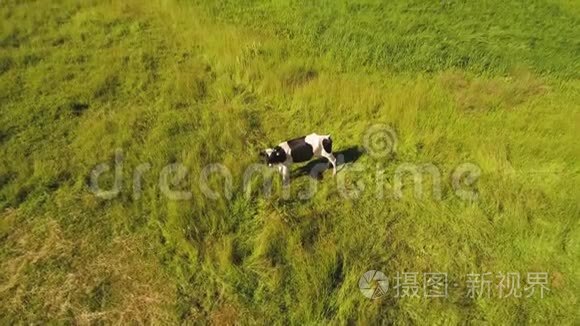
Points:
(493, 84)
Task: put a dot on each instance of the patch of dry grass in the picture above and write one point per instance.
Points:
(486, 94)
(68, 280)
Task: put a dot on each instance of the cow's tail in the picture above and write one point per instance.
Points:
(327, 144)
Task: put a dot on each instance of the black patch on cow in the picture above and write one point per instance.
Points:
(278, 155)
(300, 150)
(327, 145)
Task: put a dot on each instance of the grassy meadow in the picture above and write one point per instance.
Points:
(494, 84)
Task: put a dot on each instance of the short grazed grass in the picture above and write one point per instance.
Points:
(494, 84)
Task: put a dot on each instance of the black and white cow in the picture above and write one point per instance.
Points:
(299, 150)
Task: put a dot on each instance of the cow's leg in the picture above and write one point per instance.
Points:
(331, 160)
(285, 171)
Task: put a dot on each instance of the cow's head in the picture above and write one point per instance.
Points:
(265, 155)
(273, 156)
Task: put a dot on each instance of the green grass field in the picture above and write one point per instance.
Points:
(492, 84)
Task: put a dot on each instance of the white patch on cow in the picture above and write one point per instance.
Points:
(315, 141)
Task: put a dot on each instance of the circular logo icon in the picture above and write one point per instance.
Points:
(380, 140)
(373, 284)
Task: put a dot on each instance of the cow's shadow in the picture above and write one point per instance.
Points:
(315, 168)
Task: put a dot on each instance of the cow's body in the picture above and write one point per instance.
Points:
(299, 150)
